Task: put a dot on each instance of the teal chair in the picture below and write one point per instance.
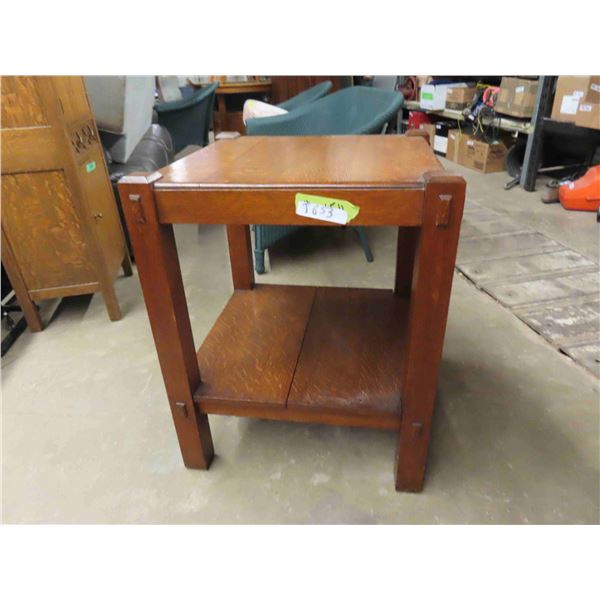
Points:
(350, 111)
(188, 120)
(307, 96)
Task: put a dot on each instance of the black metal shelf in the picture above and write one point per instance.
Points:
(542, 124)
(567, 127)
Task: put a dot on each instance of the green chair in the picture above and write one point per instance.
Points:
(188, 120)
(350, 111)
(307, 96)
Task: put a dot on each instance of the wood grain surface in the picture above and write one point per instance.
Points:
(406, 248)
(277, 207)
(21, 104)
(30, 149)
(241, 87)
(299, 414)
(310, 349)
(44, 230)
(59, 214)
(430, 297)
(352, 353)
(386, 161)
(240, 256)
(160, 275)
(322, 355)
(285, 87)
(251, 352)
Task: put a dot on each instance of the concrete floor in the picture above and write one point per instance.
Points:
(87, 435)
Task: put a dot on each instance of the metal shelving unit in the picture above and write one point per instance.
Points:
(506, 123)
(533, 148)
(535, 129)
(542, 125)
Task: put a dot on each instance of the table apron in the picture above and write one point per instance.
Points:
(403, 207)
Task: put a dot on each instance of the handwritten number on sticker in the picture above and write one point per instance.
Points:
(322, 212)
(333, 210)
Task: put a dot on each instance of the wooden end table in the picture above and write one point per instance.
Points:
(231, 120)
(359, 357)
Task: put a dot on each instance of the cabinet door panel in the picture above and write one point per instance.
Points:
(43, 230)
(21, 105)
(101, 204)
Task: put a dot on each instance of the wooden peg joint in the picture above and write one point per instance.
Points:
(138, 208)
(181, 409)
(417, 428)
(442, 217)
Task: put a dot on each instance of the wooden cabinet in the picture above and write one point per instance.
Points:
(288, 86)
(61, 233)
(230, 103)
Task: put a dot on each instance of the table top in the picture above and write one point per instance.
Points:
(358, 161)
(243, 87)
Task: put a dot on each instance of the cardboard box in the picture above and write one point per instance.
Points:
(593, 91)
(455, 144)
(570, 90)
(588, 109)
(433, 97)
(481, 156)
(430, 129)
(460, 98)
(516, 97)
(588, 115)
(440, 140)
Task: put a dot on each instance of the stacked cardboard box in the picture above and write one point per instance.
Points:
(472, 153)
(455, 137)
(588, 110)
(570, 90)
(516, 97)
(484, 157)
(433, 96)
(438, 135)
(460, 98)
(588, 115)
(440, 140)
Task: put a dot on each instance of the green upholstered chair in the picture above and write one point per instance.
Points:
(307, 96)
(350, 111)
(188, 120)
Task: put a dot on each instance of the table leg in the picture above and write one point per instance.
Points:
(431, 284)
(407, 244)
(220, 117)
(240, 256)
(160, 276)
(405, 259)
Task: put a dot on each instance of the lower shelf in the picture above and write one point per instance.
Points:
(329, 355)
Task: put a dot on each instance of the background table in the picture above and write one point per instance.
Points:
(230, 100)
(314, 354)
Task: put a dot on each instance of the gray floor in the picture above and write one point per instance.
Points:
(552, 288)
(87, 435)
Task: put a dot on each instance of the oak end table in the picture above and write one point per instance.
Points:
(339, 356)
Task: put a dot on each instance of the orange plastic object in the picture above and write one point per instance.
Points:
(583, 193)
